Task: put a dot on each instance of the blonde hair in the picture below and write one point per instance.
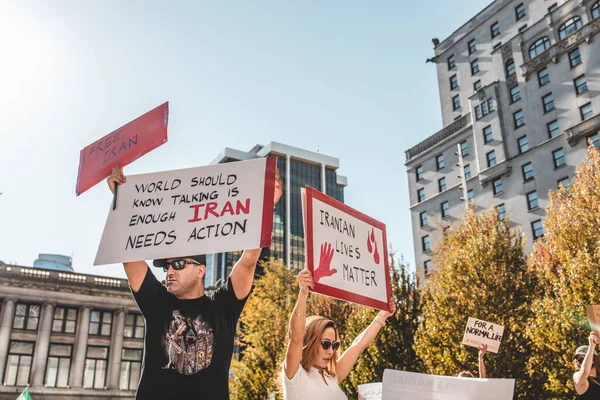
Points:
(313, 330)
(466, 374)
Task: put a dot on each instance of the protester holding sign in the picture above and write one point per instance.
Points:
(312, 368)
(482, 371)
(586, 379)
(189, 335)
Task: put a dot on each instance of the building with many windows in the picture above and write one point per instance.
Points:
(518, 88)
(297, 168)
(68, 335)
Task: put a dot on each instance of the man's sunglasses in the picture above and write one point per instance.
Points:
(178, 265)
(327, 344)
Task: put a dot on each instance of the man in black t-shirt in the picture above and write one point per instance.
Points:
(189, 335)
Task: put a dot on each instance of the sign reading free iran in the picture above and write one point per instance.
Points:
(202, 210)
(346, 251)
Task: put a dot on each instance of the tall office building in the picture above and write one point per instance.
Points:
(518, 88)
(297, 168)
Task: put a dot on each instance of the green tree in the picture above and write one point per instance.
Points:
(480, 272)
(393, 346)
(567, 264)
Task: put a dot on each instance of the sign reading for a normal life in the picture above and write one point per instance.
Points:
(413, 386)
(121, 147)
(480, 332)
(202, 210)
(346, 251)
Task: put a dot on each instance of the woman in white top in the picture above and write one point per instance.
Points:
(313, 368)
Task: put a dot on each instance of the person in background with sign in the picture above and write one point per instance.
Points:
(586, 379)
(482, 372)
(312, 368)
(189, 335)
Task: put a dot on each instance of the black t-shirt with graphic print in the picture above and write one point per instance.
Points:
(188, 344)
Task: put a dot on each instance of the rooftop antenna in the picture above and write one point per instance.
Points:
(317, 152)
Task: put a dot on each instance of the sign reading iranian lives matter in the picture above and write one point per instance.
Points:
(593, 313)
(480, 332)
(122, 147)
(202, 210)
(346, 252)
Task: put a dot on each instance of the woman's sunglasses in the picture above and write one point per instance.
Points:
(327, 344)
(178, 265)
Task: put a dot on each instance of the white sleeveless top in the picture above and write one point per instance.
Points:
(309, 385)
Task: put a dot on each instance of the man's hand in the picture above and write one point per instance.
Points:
(116, 178)
(324, 269)
(278, 187)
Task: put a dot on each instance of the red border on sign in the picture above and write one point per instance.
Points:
(310, 256)
(266, 230)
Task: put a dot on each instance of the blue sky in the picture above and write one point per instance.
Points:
(346, 77)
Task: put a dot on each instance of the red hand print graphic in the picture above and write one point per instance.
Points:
(372, 246)
(324, 270)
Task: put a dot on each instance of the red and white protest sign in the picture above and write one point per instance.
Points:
(346, 251)
(204, 210)
(121, 147)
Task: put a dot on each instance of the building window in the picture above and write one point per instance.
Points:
(520, 11)
(553, 8)
(467, 172)
(65, 320)
(477, 85)
(532, 201)
(58, 365)
(553, 129)
(515, 94)
(94, 375)
(586, 111)
(426, 244)
(487, 134)
(442, 184)
(423, 218)
(523, 28)
(419, 172)
(134, 326)
(596, 10)
(451, 62)
(569, 27)
(456, 102)
(453, 82)
(131, 367)
(27, 316)
(523, 144)
(491, 158)
(498, 188)
(540, 46)
(519, 119)
(421, 195)
(537, 229)
(100, 323)
(495, 29)
(470, 195)
(474, 66)
(464, 148)
(543, 76)
(559, 158)
(472, 47)
(575, 58)
(501, 209)
(564, 181)
(548, 101)
(427, 267)
(440, 161)
(510, 67)
(18, 363)
(445, 209)
(484, 108)
(580, 84)
(527, 172)
(594, 139)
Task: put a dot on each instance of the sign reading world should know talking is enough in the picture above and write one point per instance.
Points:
(202, 210)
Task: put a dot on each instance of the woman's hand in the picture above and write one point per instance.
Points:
(305, 280)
